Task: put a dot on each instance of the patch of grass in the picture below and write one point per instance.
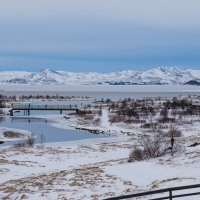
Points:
(12, 134)
(30, 142)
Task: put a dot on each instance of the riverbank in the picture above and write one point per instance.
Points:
(10, 134)
(100, 168)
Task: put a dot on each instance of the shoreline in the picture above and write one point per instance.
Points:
(24, 134)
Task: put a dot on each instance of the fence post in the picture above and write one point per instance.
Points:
(170, 194)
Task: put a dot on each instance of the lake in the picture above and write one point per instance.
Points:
(102, 91)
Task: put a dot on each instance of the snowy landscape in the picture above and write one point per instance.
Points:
(110, 166)
(156, 76)
(99, 100)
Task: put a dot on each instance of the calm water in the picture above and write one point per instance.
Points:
(42, 126)
(102, 91)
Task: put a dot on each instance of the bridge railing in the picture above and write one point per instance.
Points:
(167, 190)
(44, 107)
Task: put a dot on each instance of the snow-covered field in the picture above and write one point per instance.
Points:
(96, 168)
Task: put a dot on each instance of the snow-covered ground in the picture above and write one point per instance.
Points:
(96, 168)
(20, 134)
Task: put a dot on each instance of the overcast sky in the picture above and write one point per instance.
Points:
(99, 35)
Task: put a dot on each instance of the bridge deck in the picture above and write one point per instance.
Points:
(44, 107)
(28, 108)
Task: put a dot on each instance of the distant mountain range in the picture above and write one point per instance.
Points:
(193, 82)
(156, 76)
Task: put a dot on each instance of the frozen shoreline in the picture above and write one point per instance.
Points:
(24, 134)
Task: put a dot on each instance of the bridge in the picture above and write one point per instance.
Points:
(27, 108)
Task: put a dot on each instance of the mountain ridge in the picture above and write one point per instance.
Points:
(155, 76)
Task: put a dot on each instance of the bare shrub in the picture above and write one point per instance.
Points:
(30, 141)
(19, 145)
(96, 121)
(164, 113)
(27, 143)
(136, 154)
(89, 117)
(82, 113)
(134, 121)
(153, 146)
(174, 132)
(117, 118)
(149, 125)
(166, 120)
(162, 126)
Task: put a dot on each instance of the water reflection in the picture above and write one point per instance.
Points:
(2, 119)
(43, 127)
(27, 120)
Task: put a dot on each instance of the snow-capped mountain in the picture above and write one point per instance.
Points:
(160, 75)
(193, 82)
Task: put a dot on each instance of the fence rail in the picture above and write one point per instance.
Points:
(169, 190)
